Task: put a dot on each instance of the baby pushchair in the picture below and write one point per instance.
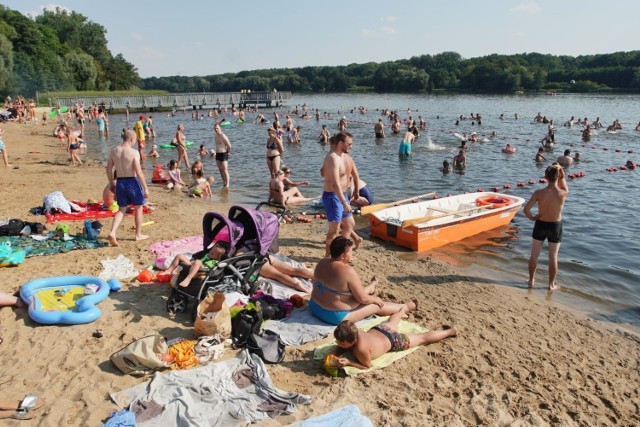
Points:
(250, 234)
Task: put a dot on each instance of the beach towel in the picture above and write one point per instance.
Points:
(89, 211)
(348, 416)
(302, 327)
(50, 246)
(234, 392)
(279, 290)
(168, 249)
(381, 362)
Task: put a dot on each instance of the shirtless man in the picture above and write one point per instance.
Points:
(460, 161)
(565, 160)
(548, 221)
(540, 156)
(378, 128)
(181, 142)
(337, 169)
(223, 149)
(131, 187)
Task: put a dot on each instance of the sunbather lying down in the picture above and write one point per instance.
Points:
(274, 269)
(383, 338)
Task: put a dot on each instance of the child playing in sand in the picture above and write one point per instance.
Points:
(174, 176)
(383, 338)
(201, 187)
(206, 258)
(154, 151)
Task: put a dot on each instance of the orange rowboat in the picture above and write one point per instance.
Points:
(433, 223)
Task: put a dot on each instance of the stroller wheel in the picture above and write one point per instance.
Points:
(177, 304)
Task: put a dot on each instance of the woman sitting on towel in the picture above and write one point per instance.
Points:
(338, 294)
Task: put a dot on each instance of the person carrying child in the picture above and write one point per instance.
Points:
(366, 346)
(207, 258)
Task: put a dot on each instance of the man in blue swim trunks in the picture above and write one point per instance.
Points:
(131, 187)
(380, 339)
(548, 220)
(337, 169)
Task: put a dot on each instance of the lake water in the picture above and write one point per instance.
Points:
(599, 254)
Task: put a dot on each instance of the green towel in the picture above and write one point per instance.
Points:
(381, 362)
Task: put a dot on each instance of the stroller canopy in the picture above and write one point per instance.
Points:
(250, 227)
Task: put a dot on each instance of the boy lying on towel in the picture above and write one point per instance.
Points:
(380, 339)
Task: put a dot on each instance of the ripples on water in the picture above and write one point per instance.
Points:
(599, 253)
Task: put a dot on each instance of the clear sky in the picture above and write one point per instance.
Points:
(196, 37)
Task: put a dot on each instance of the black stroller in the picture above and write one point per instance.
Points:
(249, 233)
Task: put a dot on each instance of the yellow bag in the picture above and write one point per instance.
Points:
(213, 317)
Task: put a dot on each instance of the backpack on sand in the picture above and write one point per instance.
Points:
(245, 323)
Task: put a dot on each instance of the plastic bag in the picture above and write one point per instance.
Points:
(213, 317)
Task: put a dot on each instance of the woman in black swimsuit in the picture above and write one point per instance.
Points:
(274, 150)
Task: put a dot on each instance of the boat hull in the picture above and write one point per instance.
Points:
(422, 237)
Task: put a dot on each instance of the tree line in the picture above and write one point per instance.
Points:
(446, 71)
(58, 50)
(65, 51)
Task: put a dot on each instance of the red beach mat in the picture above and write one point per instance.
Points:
(94, 211)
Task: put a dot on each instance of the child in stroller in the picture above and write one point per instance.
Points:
(244, 230)
(205, 258)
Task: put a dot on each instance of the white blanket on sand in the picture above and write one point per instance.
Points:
(237, 391)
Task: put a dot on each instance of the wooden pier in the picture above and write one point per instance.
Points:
(195, 101)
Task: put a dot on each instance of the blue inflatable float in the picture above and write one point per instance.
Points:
(66, 300)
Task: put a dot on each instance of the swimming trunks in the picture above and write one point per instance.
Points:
(129, 192)
(222, 157)
(334, 207)
(321, 288)
(73, 146)
(379, 135)
(398, 341)
(405, 148)
(366, 193)
(333, 317)
(1, 144)
(547, 230)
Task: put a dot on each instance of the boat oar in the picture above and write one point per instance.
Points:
(427, 218)
(365, 210)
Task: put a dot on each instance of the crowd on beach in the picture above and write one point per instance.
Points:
(338, 295)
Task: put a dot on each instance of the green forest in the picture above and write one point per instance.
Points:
(446, 71)
(62, 51)
(58, 51)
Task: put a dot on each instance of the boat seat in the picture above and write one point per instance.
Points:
(441, 210)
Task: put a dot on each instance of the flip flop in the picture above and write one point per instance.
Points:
(21, 409)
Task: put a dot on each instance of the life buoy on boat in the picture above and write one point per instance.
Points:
(496, 201)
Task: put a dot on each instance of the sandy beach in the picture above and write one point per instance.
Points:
(518, 359)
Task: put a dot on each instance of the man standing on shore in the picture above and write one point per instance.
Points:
(337, 169)
(140, 134)
(223, 149)
(548, 221)
(131, 187)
